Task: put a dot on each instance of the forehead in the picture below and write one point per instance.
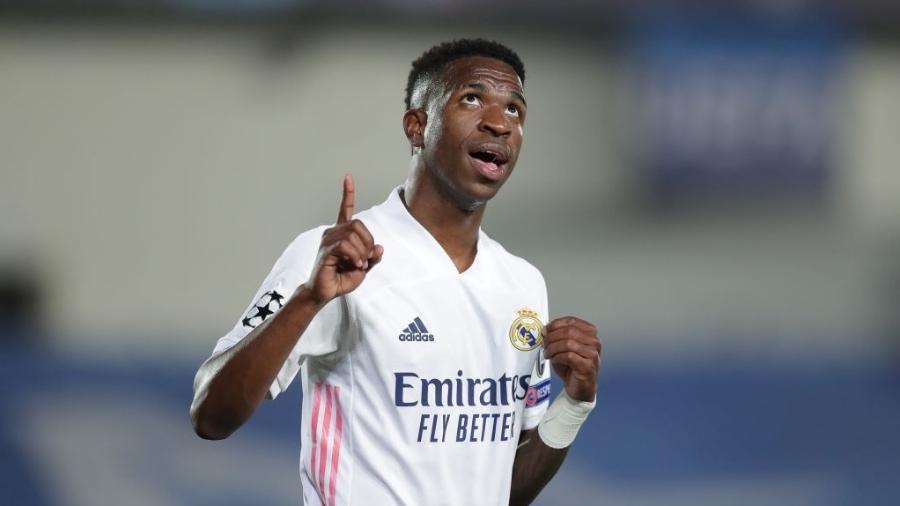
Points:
(482, 69)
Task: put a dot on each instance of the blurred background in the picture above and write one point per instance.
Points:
(715, 184)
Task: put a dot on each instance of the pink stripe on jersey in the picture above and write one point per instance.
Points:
(323, 455)
(336, 450)
(324, 477)
(314, 431)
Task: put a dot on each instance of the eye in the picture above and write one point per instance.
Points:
(471, 98)
(513, 110)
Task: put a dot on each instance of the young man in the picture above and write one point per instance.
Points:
(419, 340)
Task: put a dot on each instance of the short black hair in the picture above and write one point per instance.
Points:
(435, 59)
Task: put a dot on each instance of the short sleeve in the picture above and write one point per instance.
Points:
(538, 396)
(323, 334)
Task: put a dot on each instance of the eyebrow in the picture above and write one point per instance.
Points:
(481, 87)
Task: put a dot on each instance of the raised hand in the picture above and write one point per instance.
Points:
(347, 252)
(573, 348)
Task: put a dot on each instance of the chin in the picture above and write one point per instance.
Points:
(469, 201)
(479, 194)
(468, 197)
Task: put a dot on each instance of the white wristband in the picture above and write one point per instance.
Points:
(563, 419)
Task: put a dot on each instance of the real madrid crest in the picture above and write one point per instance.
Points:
(526, 332)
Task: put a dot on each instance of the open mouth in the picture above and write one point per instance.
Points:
(489, 162)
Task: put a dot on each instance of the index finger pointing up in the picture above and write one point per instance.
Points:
(347, 201)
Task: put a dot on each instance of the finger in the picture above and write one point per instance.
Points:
(575, 362)
(561, 335)
(584, 350)
(360, 229)
(347, 200)
(360, 246)
(586, 347)
(347, 253)
(571, 332)
(376, 257)
(572, 321)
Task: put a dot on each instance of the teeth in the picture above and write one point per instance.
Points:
(490, 157)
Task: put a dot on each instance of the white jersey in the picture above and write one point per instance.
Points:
(417, 384)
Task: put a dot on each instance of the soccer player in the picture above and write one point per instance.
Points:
(420, 342)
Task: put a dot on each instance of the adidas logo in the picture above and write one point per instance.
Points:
(416, 331)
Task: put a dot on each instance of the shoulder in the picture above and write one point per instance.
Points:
(513, 267)
(301, 252)
(374, 218)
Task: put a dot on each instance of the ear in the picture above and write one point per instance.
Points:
(414, 121)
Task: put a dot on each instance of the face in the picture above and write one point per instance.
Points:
(473, 131)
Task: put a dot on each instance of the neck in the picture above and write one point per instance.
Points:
(454, 228)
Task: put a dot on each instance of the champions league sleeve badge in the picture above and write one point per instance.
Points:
(266, 306)
(526, 332)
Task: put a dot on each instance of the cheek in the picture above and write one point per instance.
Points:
(453, 135)
(433, 130)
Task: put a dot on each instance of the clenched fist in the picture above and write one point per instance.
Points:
(573, 348)
(347, 252)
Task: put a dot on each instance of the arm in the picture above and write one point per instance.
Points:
(230, 385)
(535, 465)
(573, 348)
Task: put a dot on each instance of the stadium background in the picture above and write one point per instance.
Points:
(717, 188)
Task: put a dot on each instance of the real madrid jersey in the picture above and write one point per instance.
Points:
(417, 384)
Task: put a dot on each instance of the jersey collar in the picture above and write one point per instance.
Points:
(420, 240)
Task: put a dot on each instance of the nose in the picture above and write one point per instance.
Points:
(495, 122)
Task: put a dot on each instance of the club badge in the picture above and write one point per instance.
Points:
(526, 332)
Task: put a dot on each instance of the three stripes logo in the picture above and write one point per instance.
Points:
(416, 331)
